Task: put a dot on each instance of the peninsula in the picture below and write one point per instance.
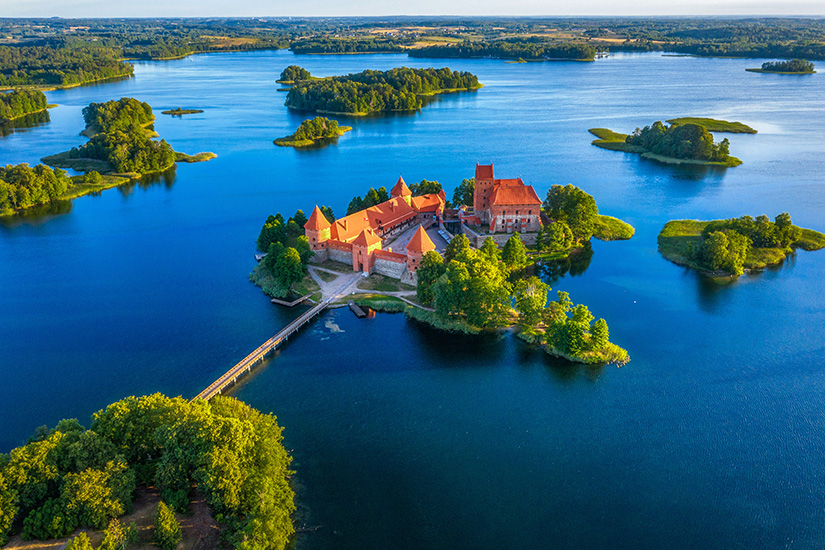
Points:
(735, 246)
(318, 130)
(373, 92)
(682, 143)
(794, 66)
(20, 103)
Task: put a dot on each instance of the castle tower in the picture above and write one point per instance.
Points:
(484, 183)
(419, 245)
(400, 190)
(317, 229)
(363, 247)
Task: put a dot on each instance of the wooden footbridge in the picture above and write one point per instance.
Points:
(267, 347)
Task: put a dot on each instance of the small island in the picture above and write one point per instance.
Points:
(180, 112)
(735, 246)
(318, 130)
(375, 92)
(687, 143)
(293, 74)
(794, 66)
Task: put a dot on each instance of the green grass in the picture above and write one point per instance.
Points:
(778, 72)
(288, 141)
(608, 228)
(325, 276)
(730, 162)
(715, 125)
(335, 266)
(305, 286)
(679, 237)
(62, 160)
(379, 302)
(384, 284)
(200, 157)
(261, 277)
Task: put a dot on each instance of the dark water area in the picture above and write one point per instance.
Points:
(403, 437)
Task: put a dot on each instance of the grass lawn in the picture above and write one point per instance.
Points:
(325, 276)
(384, 284)
(609, 228)
(715, 125)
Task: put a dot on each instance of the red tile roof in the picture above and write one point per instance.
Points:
(400, 189)
(484, 171)
(420, 242)
(317, 221)
(428, 203)
(507, 195)
(367, 238)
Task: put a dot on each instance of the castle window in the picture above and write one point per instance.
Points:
(516, 212)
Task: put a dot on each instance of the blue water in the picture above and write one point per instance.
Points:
(712, 436)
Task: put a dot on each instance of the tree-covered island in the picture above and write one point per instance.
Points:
(794, 66)
(293, 74)
(678, 143)
(121, 143)
(318, 130)
(222, 451)
(371, 92)
(732, 247)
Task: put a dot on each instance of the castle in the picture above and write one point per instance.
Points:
(359, 239)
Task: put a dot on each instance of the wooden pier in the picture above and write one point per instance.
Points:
(267, 347)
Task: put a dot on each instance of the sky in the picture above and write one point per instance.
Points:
(283, 8)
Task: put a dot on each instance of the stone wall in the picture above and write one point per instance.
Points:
(389, 268)
(320, 256)
(341, 256)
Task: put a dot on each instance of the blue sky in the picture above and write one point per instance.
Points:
(195, 8)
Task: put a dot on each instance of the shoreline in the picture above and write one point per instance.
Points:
(54, 87)
(298, 144)
(778, 72)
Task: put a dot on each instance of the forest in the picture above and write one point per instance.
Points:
(682, 141)
(22, 186)
(292, 74)
(398, 89)
(19, 103)
(59, 66)
(70, 477)
(792, 66)
(312, 130)
(509, 49)
(486, 288)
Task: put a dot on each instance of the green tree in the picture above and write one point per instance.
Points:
(425, 187)
(327, 212)
(428, 272)
(599, 335)
(464, 193)
(574, 207)
(514, 254)
(490, 249)
(459, 245)
(80, 542)
(288, 268)
(531, 297)
(167, 528)
(8, 510)
(117, 536)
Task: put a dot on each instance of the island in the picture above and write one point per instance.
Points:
(687, 143)
(735, 246)
(20, 103)
(385, 249)
(318, 130)
(373, 92)
(794, 66)
(121, 143)
(180, 112)
(293, 74)
(172, 458)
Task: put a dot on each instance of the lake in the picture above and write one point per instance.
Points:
(406, 438)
